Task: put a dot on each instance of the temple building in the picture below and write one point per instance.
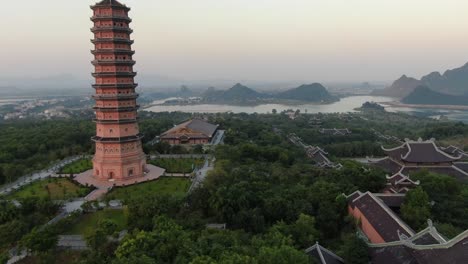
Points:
(322, 255)
(320, 157)
(377, 221)
(399, 183)
(192, 132)
(119, 154)
(417, 155)
(391, 240)
(335, 131)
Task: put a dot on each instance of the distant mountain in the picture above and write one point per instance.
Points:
(238, 93)
(453, 82)
(423, 95)
(400, 88)
(243, 94)
(311, 93)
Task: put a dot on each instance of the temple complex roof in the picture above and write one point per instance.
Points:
(335, 131)
(425, 247)
(386, 223)
(454, 151)
(387, 164)
(393, 200)
(420, 152)
(453, 170)
(323, 255)
(194, 128)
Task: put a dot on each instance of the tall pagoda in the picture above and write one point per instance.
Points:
(119, 155)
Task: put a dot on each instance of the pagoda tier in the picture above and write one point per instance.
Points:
(119, 154)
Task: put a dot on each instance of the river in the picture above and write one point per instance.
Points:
(347, 104)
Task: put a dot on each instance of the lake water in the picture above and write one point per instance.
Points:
(347, 104)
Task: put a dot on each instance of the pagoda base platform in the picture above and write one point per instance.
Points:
(102, 187)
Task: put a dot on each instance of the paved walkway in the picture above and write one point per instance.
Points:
(218, 138)
(25, 180)
(179, 156)
(73, 242)
(102, 187)
(201, 174)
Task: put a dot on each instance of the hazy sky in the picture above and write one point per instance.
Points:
(313, 40)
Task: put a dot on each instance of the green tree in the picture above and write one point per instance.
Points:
(281, 255)
(108, 226)
(97, 239)
(355, 250)
(40, 241)
(415, 210)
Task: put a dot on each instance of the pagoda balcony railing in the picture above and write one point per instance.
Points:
(114, 85)
(118, 109)
(115, 96)
(125, 51)
(132, 62)
(121, 40)
(120, 121)
(112, 16)
(104, 74)
(113, 28)
(138, 136)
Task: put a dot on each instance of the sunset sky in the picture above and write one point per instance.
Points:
(313, 40)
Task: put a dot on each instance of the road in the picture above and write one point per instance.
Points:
(25, 180)
(201, 174)
(218, 138)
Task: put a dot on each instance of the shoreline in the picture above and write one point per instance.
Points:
(442, 107)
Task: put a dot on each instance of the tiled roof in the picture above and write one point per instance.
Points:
(387, 164)
(447, 170)
(335, 131)
(194, 128)
(454, 151)
(381, 217)
(323, 255)
(396, 153)
(401, 179)
(427, 152)
(394, 200)
(462, 166)
(454, 251)
(420, 152)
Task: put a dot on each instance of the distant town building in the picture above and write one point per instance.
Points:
(322, 255)
(192, 132)
(416, 155)
(119, 154)
(335, 131)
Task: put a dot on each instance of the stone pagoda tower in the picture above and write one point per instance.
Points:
(119, 155)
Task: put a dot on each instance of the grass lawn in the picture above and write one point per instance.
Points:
(76, 167)
(164, 185)
(178, 165)
(87, 223)
(54, 188)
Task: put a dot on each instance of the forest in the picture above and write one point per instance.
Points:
(273, 200)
